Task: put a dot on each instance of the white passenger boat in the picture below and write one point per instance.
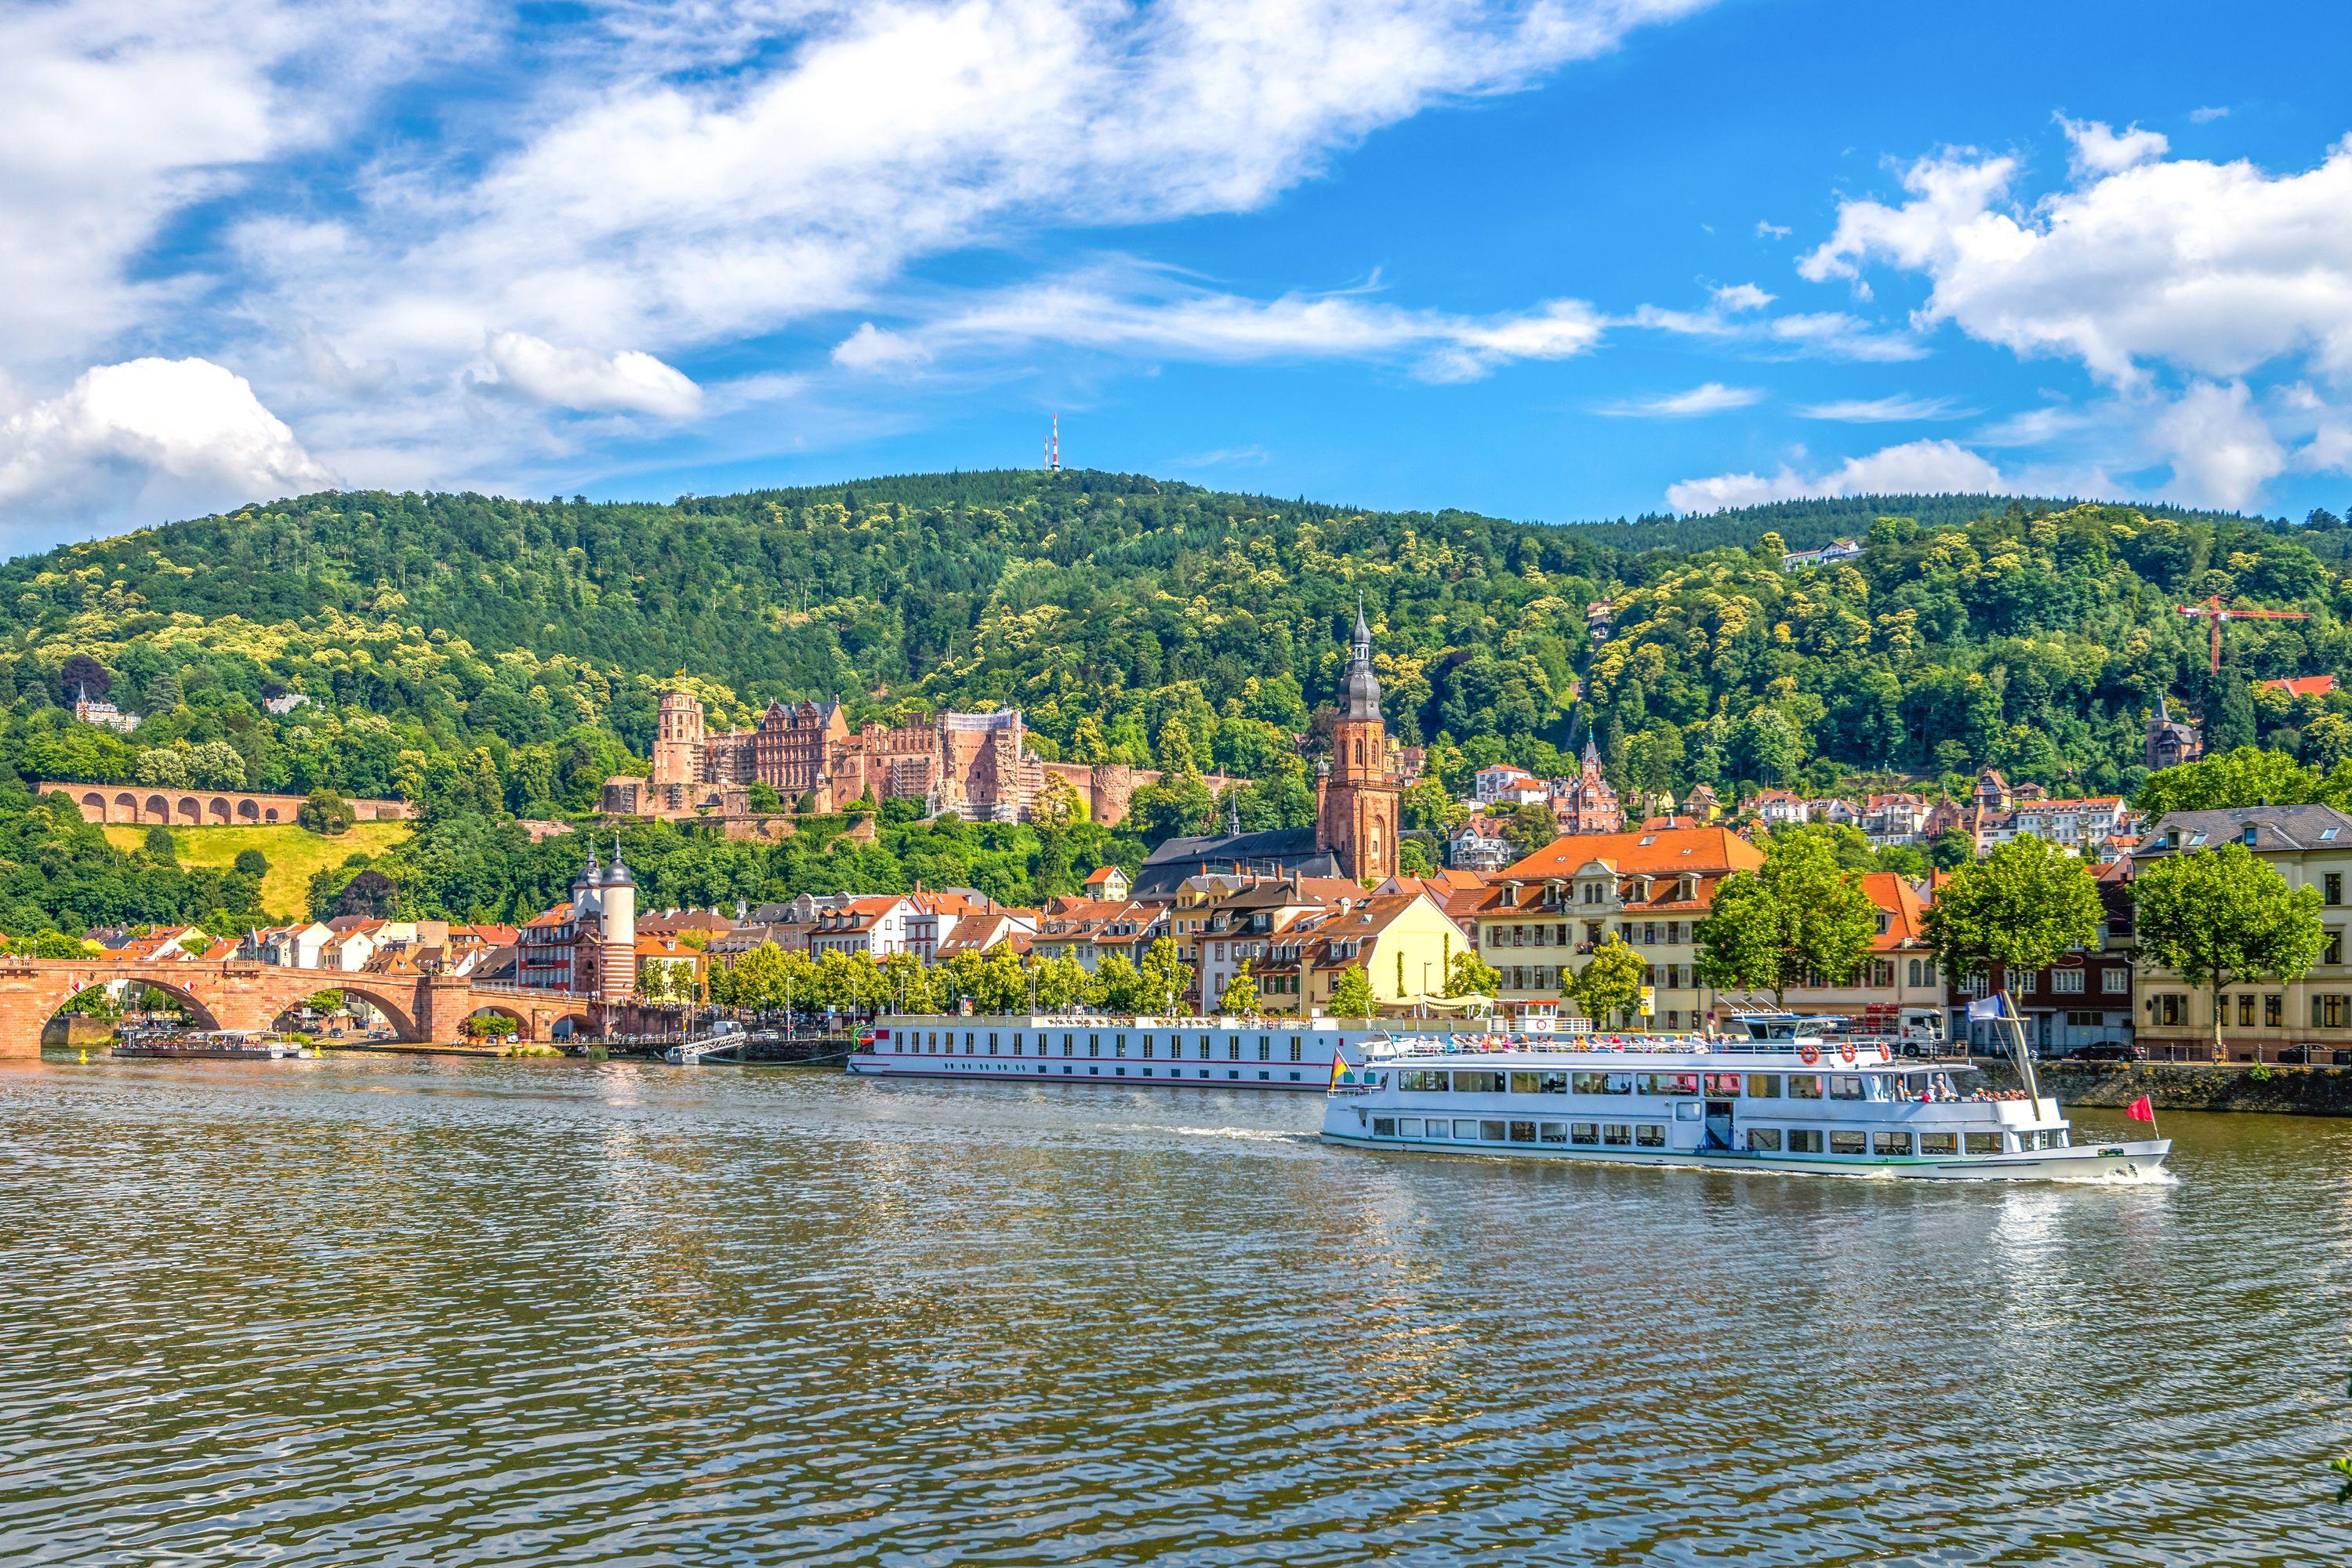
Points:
(1193, 1053)
(1789, 1096)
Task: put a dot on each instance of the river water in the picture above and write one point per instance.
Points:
(385, 1311)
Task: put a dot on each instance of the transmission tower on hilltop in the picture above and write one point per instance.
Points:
(1054, 446)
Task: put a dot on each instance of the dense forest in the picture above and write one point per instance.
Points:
(489, 657)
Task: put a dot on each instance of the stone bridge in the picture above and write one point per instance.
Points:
(201, 808)
(236, 995)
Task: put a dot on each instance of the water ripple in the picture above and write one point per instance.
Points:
(410, 1312)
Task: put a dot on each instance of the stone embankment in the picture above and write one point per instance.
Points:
(2186, 1085)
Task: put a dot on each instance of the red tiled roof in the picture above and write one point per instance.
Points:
(2301, 685)
(1667, 850)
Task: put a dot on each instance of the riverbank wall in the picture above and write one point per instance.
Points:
(2185, 1086)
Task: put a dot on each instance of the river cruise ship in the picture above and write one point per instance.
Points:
(1223, 1052)
(1791, 1095)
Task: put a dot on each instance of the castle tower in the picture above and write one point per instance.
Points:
(679, 744)
(1355, 809)
(616, 968)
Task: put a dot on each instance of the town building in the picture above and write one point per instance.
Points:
(2169, 743)
(2296, 686)
(2311, 846)
(1502, 784)
(1481, 844)
(1108, 882)
(1827, 555)
(1588, 803)
(1538, 921)
(1404, 943)
(101, 711)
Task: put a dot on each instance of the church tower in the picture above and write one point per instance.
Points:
(616, 896)
(1356, 814)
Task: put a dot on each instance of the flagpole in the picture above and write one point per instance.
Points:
(2024, 1058)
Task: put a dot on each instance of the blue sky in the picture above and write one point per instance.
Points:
(1560, 259)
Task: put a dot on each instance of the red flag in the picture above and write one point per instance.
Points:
(2141, 1110)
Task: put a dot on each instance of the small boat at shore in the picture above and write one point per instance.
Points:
(1789, 1096)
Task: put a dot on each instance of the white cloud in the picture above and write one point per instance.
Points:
(2173, 282)
(1140, 312)
(1739, 297)
(1767, 230)
(873, 348)
(1889, 410)
(2209, 114)
(1712, 397)
(628, 382)
(148, 435)
(2100, 149)
(2222, 453)
(1926, 468)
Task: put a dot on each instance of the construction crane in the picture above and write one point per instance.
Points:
(2215, 612)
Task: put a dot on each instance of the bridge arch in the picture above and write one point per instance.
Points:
(400, 1014)
(247, 812)
(96, 801)
(216, 809)
(571, 1026)
(63, 987)
(518, 1018)
(158, 808)
(188, 811)
(127, 805)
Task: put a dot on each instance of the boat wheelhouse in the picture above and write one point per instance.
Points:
(1788, 1094)
(1170, 1052)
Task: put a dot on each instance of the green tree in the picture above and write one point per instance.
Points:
(2224, 917)
(159, 845)
(2246, 776)
(1532, 826)
(1471, 976)
(326, 811)
(251, 863)
(1062, 983)
(1165, 977)
(1800, 915)
(1610, 984)
(1241, 998)
(2021, 908)
(1351, 993)
(1951, 849)
(1119, 986)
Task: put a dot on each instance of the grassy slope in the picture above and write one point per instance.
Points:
(294, 853)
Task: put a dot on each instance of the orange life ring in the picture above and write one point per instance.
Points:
(1885, 1053)
(1846, 1052)
(1809, 1053)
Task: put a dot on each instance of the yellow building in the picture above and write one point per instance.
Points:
(1403, 941)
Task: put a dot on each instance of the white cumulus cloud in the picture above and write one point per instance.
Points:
(1925, 468)
(2222, 452)
(147, 436)
(2100, 149)
(1896, 409)
(628, 382)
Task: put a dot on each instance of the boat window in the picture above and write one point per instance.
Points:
(1984, 1142)
(1478, 1083)
(2029, 1141)
(1847, 1143)
(1939, 1143)
(1724, 1083)
(1687, 1110)
(966, 1043)
(1763, 1086)
(1616, 1133)
(1522, 1131)
(1465, 1128)
(1603, 1082)
(1410, 1126)
(1891, 1143)
(2059, 1139)
(1016, 1045)
(1524, 1083)
(1551, 1083)
(1094, 1044)
(1649, 1135)
(1845, 1086)
(1384, 1126)
(1492, 1132)
(1265, 1050)
(1667, 1082)
(1118, 1045)
(1804, 1140)
(1293, 1050)
(1804, 1086)
(1423, 1079)
(1147, 1047)
(1554, 1131)
(1763, 1140)
(1584, 1132)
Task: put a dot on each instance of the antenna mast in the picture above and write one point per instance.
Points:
(1054, 446)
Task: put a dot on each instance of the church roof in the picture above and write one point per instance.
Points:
(1281, 848)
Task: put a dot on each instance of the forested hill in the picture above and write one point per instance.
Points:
(510, 650)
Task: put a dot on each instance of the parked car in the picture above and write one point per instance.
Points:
(2295, 1054)
(2108, 1052)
